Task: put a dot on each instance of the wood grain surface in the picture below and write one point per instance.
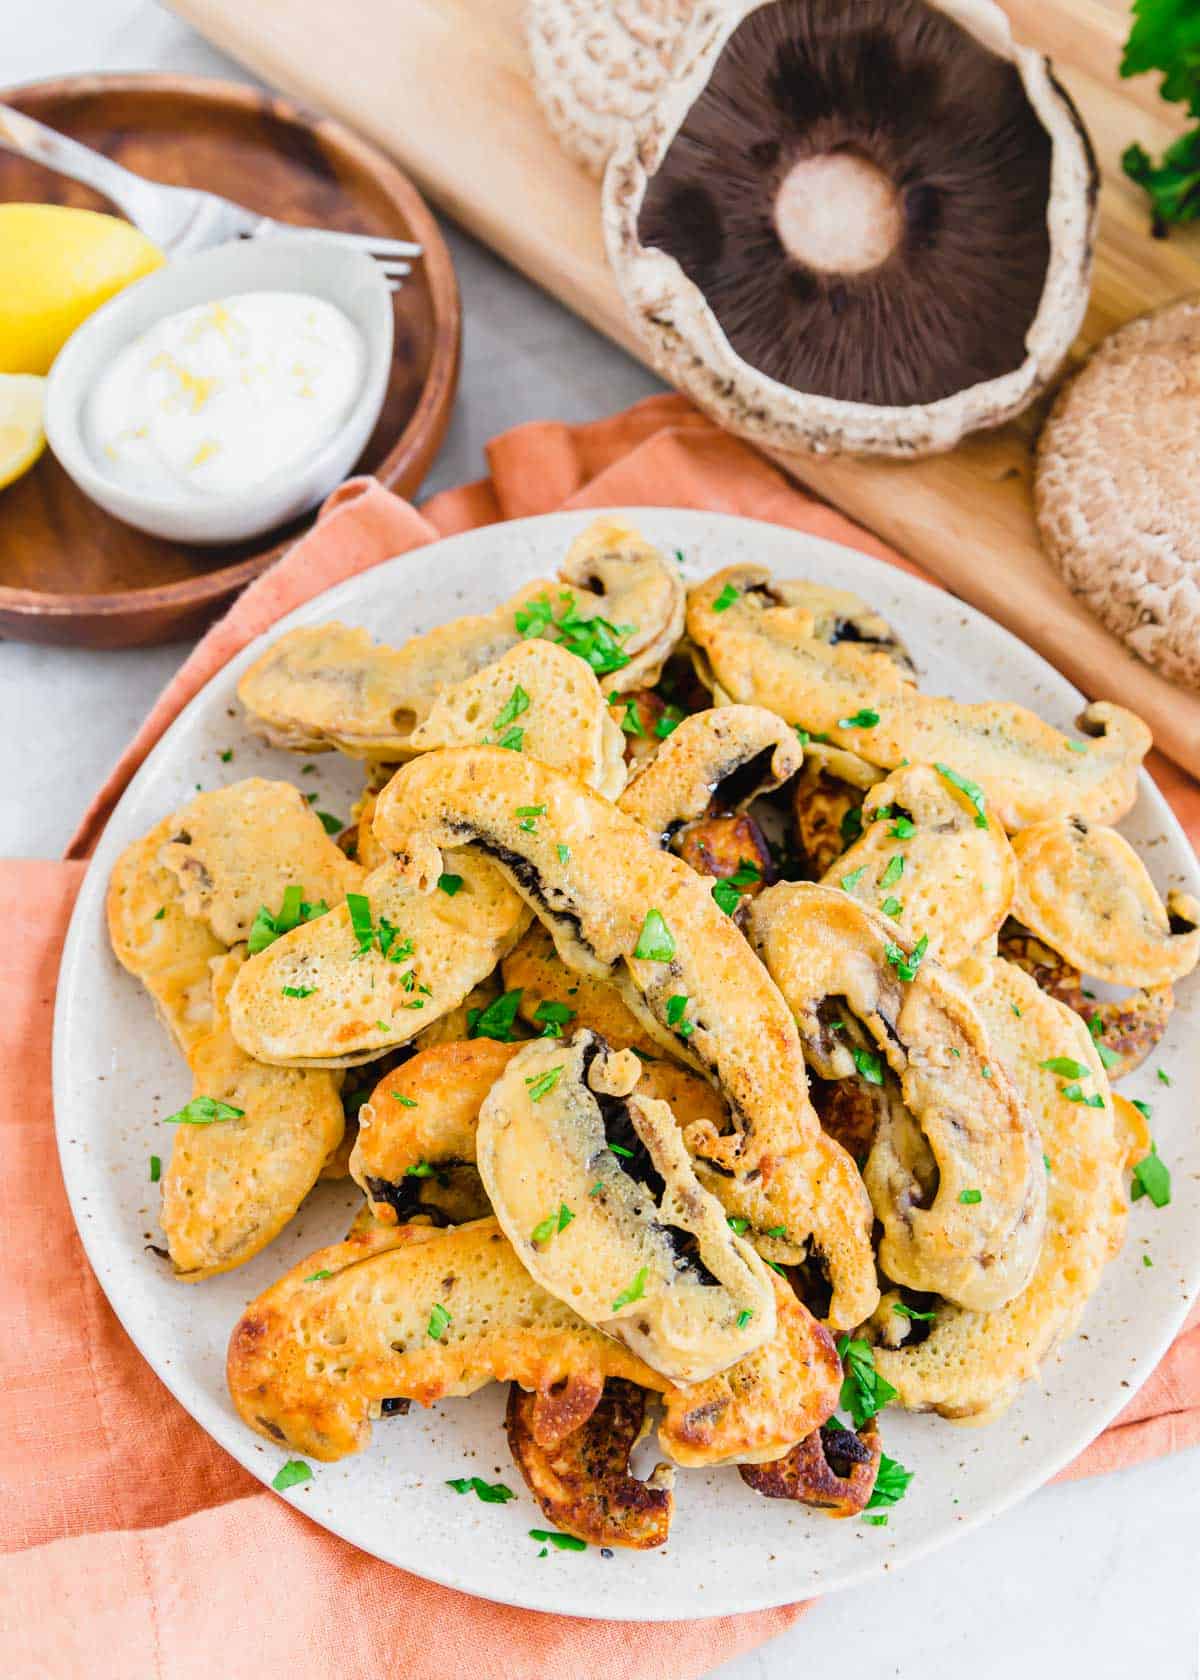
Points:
(69, 572)
(443, 86)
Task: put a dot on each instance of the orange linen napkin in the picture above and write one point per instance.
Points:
(137, 1546)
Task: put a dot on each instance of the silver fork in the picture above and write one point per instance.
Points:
(179, 219)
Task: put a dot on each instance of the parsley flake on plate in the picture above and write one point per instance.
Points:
(291, 1475)
(331, 824)
(1163, 1077)
(891, 1483)
(1143, 1108)
(155, 1169)
(560, 1542)
(491, 1493)
(203, 1111)
(864, 1391)
(1151, 1178)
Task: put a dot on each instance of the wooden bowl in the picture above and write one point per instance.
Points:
(71, 574)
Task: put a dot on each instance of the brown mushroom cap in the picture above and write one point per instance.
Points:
(973, 187)
(1118, 503)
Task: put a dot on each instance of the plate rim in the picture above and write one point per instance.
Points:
(1093, 1420)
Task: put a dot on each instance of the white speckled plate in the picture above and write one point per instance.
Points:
(115, 1075)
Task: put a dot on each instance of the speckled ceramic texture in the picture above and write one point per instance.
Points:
(115, 1076)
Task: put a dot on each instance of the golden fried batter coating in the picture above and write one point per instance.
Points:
(721, 759)
(582, 1481)
(762, 650)
(535, 969)
(834, 1469)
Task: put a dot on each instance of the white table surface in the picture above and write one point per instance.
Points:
(1099, 1579)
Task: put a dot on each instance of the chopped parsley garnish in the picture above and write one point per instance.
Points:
(851, 825)
(905, 1311)
(1163, 1077)
(972, 790)
(744, 1317)
(655, 942)
(552, 1018)
(318, 1277)
(596, 1188)
(419, 1169)
(491, 1493)
(298, 991)
(1146, 1260)
(970, 1198)
(893, 871)
(633, 1292)
(892, 907)
(1015, 1010)
(868, 1064)
(1151, 1178)
(155, 1169)
(560, 1542)
(540, 1085)
(1076, 746)
(906, 966)
(668, 723)
(308, 769)
(439, 1321)
(553, 1225)
(1074, 1093)
(631, 723)
(294, 909)
(726, 598)
(1046, 1162)
(202, 1111)
(1143, 1108)
(620, 1149)
(449, 884)
(776, 1231)
(405, 1102)
(361, 921)
(513, 740)
(902, 829)
(227, 756)
(746, 874)
(736, 1223)
(676, 1013)
(160, 913)
(1065, 1066)
(517, 702)
(726, 896)
(865, 718)
(564, 852)
(292, 1473)
(529, 815)
(331, 824)
(891, 1483)
(849, 882)
(496, 1021)
(864, 1391)
(593, 640)
(877, 1519)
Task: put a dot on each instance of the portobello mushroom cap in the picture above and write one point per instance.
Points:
(862, 227)
(592, 1186)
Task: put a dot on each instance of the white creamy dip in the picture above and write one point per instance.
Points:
(219, 398)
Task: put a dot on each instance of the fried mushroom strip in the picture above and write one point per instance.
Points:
(761, 650)
(553, 993)
(833, 1468)
(935, 873)
(313, 1358)
(955, 1172)
(1085, 892)
(615, 894)
(329, 686)
(583, 1482)
(972, 1364)
(332, 993)
(725, 757)
(231, 1186)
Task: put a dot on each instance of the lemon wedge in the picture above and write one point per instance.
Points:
(56, 266)
(22, 439)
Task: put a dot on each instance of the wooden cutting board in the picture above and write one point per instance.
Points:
(443, 85)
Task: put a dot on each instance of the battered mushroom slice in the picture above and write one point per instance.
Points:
(762, 651)
(327, 686)
(924, 862)
(237, 851)
(415, 1153)
(832, 1468)
(592, 1186)
(232, 1185)
(1125, 1029)
(725, 757)
(620, 908)
(158, 942)
(556, 996)
(827, 799)
(583, 1482)
(369, 974)
(972, 1364)
(955, 1172)
(1086, 892)
(409, 1312)
(539, 699)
